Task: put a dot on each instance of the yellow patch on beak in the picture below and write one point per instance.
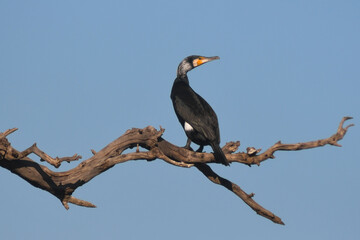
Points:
(199, 61)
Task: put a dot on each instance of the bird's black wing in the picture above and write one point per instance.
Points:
(193, 109)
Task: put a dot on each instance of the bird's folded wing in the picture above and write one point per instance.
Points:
(198, 113)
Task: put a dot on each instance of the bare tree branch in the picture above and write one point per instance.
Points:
(63, 184)
(56, 162)
(7, 132)
(247, 198)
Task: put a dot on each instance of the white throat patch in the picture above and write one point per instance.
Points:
(188, 127)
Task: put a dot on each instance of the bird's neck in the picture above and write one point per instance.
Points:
(182, 78)
(184, 67)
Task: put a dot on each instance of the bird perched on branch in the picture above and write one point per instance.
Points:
(195, 115)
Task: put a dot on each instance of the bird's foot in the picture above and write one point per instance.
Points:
(188, 148)
(201, 148)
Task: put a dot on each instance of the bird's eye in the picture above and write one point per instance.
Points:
(200, 58)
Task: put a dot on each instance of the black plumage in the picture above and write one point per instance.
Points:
(195, 115)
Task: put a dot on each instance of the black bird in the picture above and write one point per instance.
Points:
(195, 115)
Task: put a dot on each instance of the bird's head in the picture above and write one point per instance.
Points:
(191, 62)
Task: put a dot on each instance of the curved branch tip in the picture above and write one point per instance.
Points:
(8, 132)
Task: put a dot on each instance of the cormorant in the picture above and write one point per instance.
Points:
(195, 115)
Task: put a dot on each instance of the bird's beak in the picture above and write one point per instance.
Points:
(201, 60)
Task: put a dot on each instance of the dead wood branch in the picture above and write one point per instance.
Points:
(63, 184)
(247, 198)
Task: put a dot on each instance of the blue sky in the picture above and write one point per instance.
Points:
(75, 75)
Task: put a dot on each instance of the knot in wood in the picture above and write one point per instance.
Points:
(4, 144)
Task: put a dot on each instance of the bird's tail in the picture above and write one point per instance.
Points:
(219, 154)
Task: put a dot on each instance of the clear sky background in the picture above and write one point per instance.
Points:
(75, 75)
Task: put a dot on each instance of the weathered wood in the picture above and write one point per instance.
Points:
(63, 184)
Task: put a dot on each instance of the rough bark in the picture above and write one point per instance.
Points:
(63, 184)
